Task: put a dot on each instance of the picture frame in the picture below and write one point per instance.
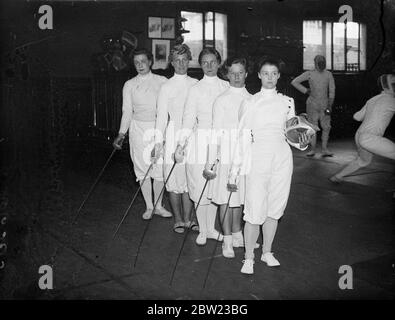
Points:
(168, 28)
(160, 52)
(161, 28)
(154, 27)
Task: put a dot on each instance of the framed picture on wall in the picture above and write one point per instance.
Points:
(160, 51)
(161, 28)
(168, 28)
(154, 27)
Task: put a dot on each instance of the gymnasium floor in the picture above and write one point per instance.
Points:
(325, 227)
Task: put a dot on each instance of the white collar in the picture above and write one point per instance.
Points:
(210, 79)
(145, 76)
(180, 76)
(236, 90)
(268, 92)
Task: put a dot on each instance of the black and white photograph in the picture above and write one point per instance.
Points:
(199, 157)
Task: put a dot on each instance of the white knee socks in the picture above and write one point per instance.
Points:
(202, 218)
(211, 216)
(269, 231)
(251, 234)
(158, 186)
(146, 190)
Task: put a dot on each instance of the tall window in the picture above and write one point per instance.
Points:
(206, 29)
(343, 45)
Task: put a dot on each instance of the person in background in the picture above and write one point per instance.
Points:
(319, 104)
(375, 116)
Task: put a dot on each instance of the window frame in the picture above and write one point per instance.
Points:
(332, 22)
(203, 13)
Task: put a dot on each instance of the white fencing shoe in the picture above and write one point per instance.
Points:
(248, 266)
(201, 239)
(214, 234)
(239, 243)
(147, 215)
(270, 260)
(227, 248)
(238, 240)
(163, 212)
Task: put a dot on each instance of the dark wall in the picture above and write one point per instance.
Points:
(78, 30)
(79, 27)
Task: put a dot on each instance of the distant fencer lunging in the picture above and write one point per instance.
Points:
(375, 116)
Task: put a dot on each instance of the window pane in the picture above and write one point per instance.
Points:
(338, 46)
(313, 42)
(194, 39)
(362, 48)
(209, 29)
(352, 46)
(328, 45)
(221, 34)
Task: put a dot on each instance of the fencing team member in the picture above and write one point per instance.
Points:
(269, 171)
(225, 123)
(138, 117)
(171, 101)
(375, 116)
(320, 101)
(198, 117)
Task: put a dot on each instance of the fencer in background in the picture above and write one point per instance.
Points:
(139, 97)
(320, 101)
(171, 101)
(375, 116)
(198, 117)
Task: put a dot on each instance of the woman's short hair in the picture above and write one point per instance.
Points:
(270, 61)
(144, 51)
(234, 60)
(209, 51)
(180, 49)
(319, 57)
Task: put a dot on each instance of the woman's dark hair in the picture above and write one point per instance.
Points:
(224, 70)
(233, 60)
(209, 51)
(144, 51)
(271, 61)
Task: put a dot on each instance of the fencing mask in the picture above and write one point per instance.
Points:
(387, 82)
(297, 125)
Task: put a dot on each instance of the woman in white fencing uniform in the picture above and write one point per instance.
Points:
(268, 175)
(138, 117)
(225, 123)
(171, 100)
(198, 117)
(375, 115)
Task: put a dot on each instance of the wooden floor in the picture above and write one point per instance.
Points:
(325, 226)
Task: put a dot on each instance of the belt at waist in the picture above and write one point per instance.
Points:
(266, 136)
(143, 118)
